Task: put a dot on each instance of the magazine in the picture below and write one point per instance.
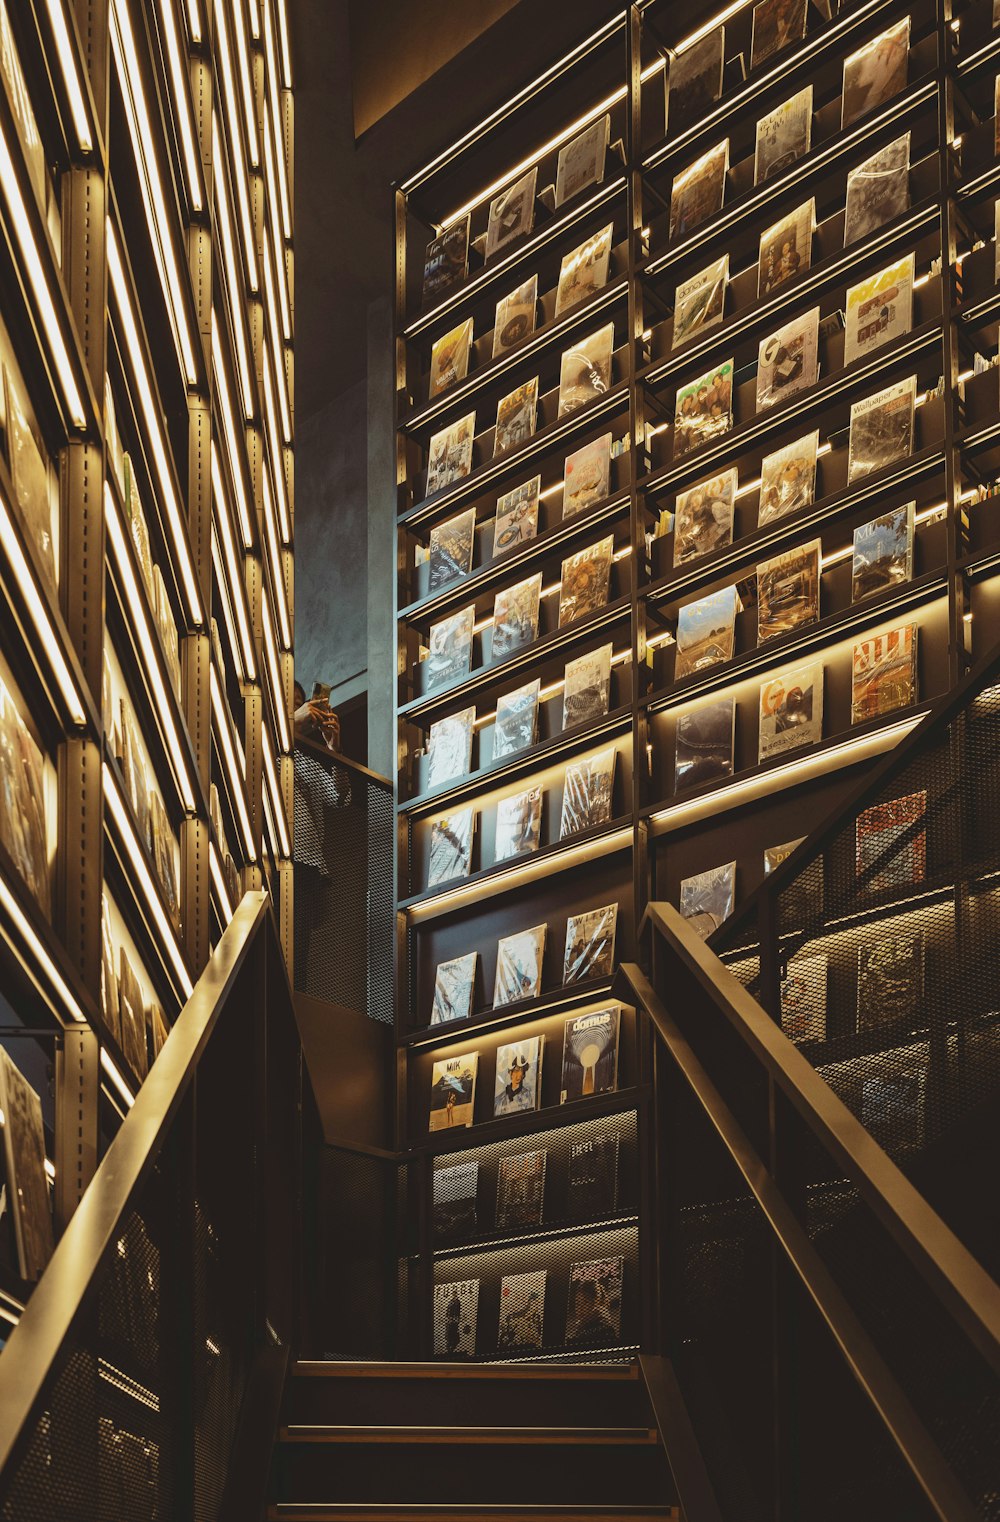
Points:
(878, 190)
(585, 580)
(519, 966)
(875, 73)
(451, 550)
(449, 654)
(894, 1097)
(517, 517)
(512, 214)
(23, 818)
(518, 1083)
(584, 271)
(590, 1053)
(884, 674)
(516, 720)
(707, 898)
(454, 984)
(30, 479)
(786, 248)
(694, 81)
(515, 617)
(450, 359)
(24, 1157)
(522, 1312)
(594, 1316)
(515, 317)
(586, 476)
(788, 591)
(706, 632)
(803, 997)
(516, 415)
(453, 1091)
(449, 751)
(521, 1190)
(455, 1191)
(703, 409)
(449, 458)
(132, 1013)
(581, 162)
(703, 517)
(586, 687)
(879, 309)
(788, 478)
(699, 303)
(704, 743)
(783, 135)
(881, 429)
(883, 553)
(451, 847)
(791, 711)
(891, 980)
(519, 823)
(590, 944)
(802, 900)
(587, 793)
(585, 370)
(788, 360)
(776, 24)
(697, 193)
(891, 843)
(592, 1189)
(446, 262)
(456, 1308)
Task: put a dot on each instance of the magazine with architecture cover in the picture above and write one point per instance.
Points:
(788, 591)
(516, 720)
(884, 673)
(521, 1190)
(699, 303)
(788, 360)
(450, 358)
(515, 616)
(697, 192)
(707, 898)
(585, 580)
(786, 248)
(803, 997)
(449, 749)
(694, 80)
(517, 516)
(891, 843)
(879, 309)
(455, 1191)
(590, 944)
(776, 24)
(449, 457)
(791, 711)
(24, 1156)
(512, 214)
(449, 653)
(519, 823)
(783, 135)
(590, 1053)
(585, 370)
(703, 517)
(588, 789)
(453, 1091)
(522, 1312)
(875, 73)
(703, 750)
(881, 428)
(519, 966)
(594, 1314)
(592, 1189)
(883, 553)
(788, 478)
(515, 316)
(581, 162)
(587, 687)
(891, 980)
(586, 476)
(451, 847)
(451, 550)
(584, 270)
(706, 632)
(446, 262)
(456, 1310)
(516, 415)
(703, 409)
(454, 984)
(878, 190)
(518, 1082)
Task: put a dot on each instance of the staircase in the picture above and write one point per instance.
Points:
(465, 1442)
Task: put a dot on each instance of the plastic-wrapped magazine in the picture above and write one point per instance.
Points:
(881, 428)
(879, 309)
(522, 1312)
(699, 302)
(451, 847)
(449, 457)
(875, 73)
(23, 827)
(518, 1082)
(707, 898)
(584, 271)
(590, 1053)
(587, 793)
(30, 478)
(519, 966)
(456, 1309)
(24, 1155)
(703, 517)
(891, 980)
(446, 262)
(592, 1188)
(697, 192)
(450, 653)
(587, 687)
(516, 720)
(801, 902)
(517, 517)
(776, 24)
(594, 1315)
(783, 135)
(883, 553)
(788, 478)
(455, 1191)
(694, 81)
(585, 581)
(512, 213)
(786, 248)
(585, 370)
(132, 1010)
(515, 317)
(891, 843)
(515, 616)
(788, 591)
(581, 162)
(803, 997)
(519, 823)
(893, 1097)
(450, 359)
(521, 1190)
(706, 632)
(704, 744)
(703, 409)
(586, 476)
(453, 1091)
(884, 674)
(449, 751)
(788, 360)
(791, 711)
(590, 944)
(454, 983)
(878, 190)
(451, 550)
(516, 415)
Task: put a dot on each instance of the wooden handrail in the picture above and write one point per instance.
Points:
(303, 742)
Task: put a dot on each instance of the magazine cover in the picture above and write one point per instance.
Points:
(516, 720)
(451, 550)
(449, 458)
(803, 997)
(515, 317)
(703, 517)
(446, 262)
(132, 1012)
(518, 1083)
(519, 966)
(590, 944)
(24, 1155)
(522, 1311)
(883, 553)
(453, 1091)
(875, 73)
(879, 309)
(593, 1177)
(587, 793)
(454, 1192)
(167, 629)
(449, 750)
(697, 192)
(451, 847)
(134, 772)
(109, 977)
(704, 744)
(516, 414)
(881, 429)
(165, 854)
(581, 162)
(694, 81)
(791, 711)
(515, 616)
(584, 582)
(699, 303)
(587, 687)
(30, 477)
(454, 984)
(584, 271)
(590, 1053)
(776, 23)
(512, 214)
(449, 654)
(517, 516)
(23, 827)
(707, 898)
(878, 190)
(788, 591)
(586, 476)
(893, 1097)
(884, 673)
(786, 248)
(788, 361)
(456, 1307)
(788, 478)
(521, 1190)
(802, 900)
(705, 632)
(891, 843)
(450, 358)
(891, 980)
(519, 823)
(703, 409)
(594, 1315)
(585, 370)
(783, 135)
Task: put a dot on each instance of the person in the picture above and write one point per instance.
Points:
(319, 788)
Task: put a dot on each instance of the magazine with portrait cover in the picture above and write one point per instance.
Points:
(522, 1312)
(587, 793)
(590, 1054)
(786, 248)
(586, 476)
(783, 135)
(706, 631)
(519, 824)
(451, 550)
(891, 843)
(694, 81)
(803, 997)
(30, 478)
(519, 966)
(455, 1191)
(703, 409)
(517, 516)
(699, 303)
(454, 985)
(515, 616)
(788, 478)
(446, 261)
(594, 1313)
(456, 1308)
(581, 162)
(585, 370)
(24, 1155)
(791, 711)
(518, 1083)
(894, 1096)
(587, 687)
(450, 358)
(875, 73)
(884, 673)
(878, 190)
(512, 214)
(449, 654)
(516, 415)
(802, 900)
(890, 980)
(883, 552)
(592, 1189)
(449, 748)
(453, 1091)
(788, 591)
(521, 1190)
(788, 360)
(451, 847)
(449, 457)
(881, 428)
(584, 581)
(132, 1014)
(23, 827)
(776, 23)
(879, 309)
(584, 271)
(515, 317)
(707, 898)
(703, 749)
(697, 192)
(590, 944)
(517, 720)
(703, 517)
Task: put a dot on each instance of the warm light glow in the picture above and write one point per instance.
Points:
(144, 877)
(225, 401)
(227, 610)
(66, 54)
(219, 883)
(234, 575)
(281, 7)
(53, 976)
(274, 672)
(278, 354)
(237, 787)
(254, 10)
(276, 119)
(233, 280)
(246, 84)
(277, 241)
(277, 803)
(125, 1093)
(274, 555)
(235, 150)
(194, 20)
(277, 459)
(182, 101)
(40, 620)
(709, 26)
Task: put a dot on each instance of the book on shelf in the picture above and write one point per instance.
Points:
(456, 1310)
(879, 309)
(585, 370)
(706, 632)
(516, 720)
(586, 687)
(449, 653)
(515, 616)
(878, 190)
(512, 214)
(875, 73)
(776, 24)
(451, 847)
(516, 415)
(594, 1314)
(521, 1190)
(883, 552)
(454, 984)
(515, 316)
(454, 1192)
(590, 1053)
(786, 248)
(585, 580)
(450, 358)
(586, 476)
(592, 1188)
(697, 192)
(449, 456)
(694, 81)
(590, 944)
(584, 270)
(24, 1157)
(788, 590)
(707, 898)
(518, 1079)
(891, 980)
(699, 302)
(884, 673)
(704, 743)
(449, 749)
(881, 430)
(788, 360)
(517, 516)
(519, 823)
(803, 997)
(788, 478)
(519, 966)
(446, 262)
(783, 135)
(581, 161)
(703, 517)
(522, 1312)
(703, 409)
(891, 843)
(791, 711)
(588, 788)
(451, 550)
(453, 1091)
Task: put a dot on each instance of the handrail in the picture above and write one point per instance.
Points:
(29, 1359)
(303, 742)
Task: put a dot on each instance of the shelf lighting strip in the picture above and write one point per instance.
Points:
(277, 354)
(274, 675)
(246, 84)
(254, 10)
(227, 611)
(234, 282)
(233, 578)
(276, 121)
(181, 82)
(233, 442)
(67, 55)
(235, 147)
(122, 1088)
(277, 803)
(281, 6)
(274, 555)
(277, 459)
(53, 981)
(277, 242)
(40, 619)
(237, 785)
(219, 883)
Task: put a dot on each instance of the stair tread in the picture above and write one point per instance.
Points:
(333, 1432)
(332, 1369)
(457, 1511)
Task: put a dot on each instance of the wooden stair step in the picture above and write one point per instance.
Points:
(332, 1369)
(458, 1512)
(446, 1435)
